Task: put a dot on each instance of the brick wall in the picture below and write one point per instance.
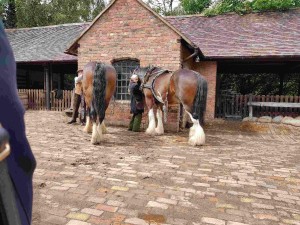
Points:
(118, 114)
(128, 30)
(209, 70)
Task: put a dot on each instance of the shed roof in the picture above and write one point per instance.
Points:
(268, 34)
(44, 44)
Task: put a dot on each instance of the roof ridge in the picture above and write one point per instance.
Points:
(50, 26)
(234, 13)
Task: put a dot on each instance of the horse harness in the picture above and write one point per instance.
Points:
(152, 85)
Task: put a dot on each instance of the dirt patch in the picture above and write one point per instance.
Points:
(254, 127)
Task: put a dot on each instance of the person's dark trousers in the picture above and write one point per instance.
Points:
(83, 111)
(135, 123)
(76, 104)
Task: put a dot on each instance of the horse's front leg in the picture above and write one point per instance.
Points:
(151, 127)
(160, 126)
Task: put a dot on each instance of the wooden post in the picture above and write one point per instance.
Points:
(250, 107)
(47, 86)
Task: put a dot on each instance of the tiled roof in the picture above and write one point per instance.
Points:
(269, 34)
(44, 43)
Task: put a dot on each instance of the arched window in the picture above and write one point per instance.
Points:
(124, 68)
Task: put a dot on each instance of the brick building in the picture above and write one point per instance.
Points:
(128, 33)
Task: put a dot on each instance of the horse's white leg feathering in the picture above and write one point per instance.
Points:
(94, 139)
(151, 126)
(103, 127)
(99, 133)
(160, 126)
(88, 125)
(197, 135)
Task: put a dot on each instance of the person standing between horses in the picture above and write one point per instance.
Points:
(136, 104)
(77, 96)
(21, 162)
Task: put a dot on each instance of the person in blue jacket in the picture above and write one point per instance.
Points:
(21, 162)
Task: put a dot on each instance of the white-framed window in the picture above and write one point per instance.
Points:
(124, 68)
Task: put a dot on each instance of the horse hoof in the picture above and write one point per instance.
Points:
(159, 131)
(87, 130)
(150, 132)
(195, 142)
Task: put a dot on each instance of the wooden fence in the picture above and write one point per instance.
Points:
(235, 106)
(36, 99)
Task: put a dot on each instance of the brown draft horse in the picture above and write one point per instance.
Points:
(99, 84)
(162, 87)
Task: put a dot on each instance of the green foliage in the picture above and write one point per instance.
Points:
(246, 6)
(164, 7)
(263, 5)
(8, 12)
(260, 83)
(32, 13)
(195, 6)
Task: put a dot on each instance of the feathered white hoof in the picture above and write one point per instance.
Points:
(197, 135)
(150, 131)
(159, 130)
(151, 128)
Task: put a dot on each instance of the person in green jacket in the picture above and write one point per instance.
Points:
(136, 104)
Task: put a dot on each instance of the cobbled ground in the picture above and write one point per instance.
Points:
(245, 174)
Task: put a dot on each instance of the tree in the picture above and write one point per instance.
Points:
(164, 7)
(9, 14)
(247, 6)
(195, 6)
(31, 13)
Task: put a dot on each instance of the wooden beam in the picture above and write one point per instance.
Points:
(47, 86)
(275, 104)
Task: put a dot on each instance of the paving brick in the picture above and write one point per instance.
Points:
(212, 221)
(93, 212)
(157, 205)
(236, 223)
(167, 201)
(78, 216)
(262, 206)
(77, 222)
(266, 217)
(96, 199)
(106, 208)
(136, 221)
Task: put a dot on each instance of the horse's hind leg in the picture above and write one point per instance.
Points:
(197, 135)
(89, 125)
(160, 126)
(103, 127)
(152, 124)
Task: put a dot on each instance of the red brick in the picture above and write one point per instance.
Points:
(106, 208)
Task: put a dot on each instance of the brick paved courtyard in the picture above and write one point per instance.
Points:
(239, 177)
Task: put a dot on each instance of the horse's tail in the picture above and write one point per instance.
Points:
(99, 90)
(199, 105)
